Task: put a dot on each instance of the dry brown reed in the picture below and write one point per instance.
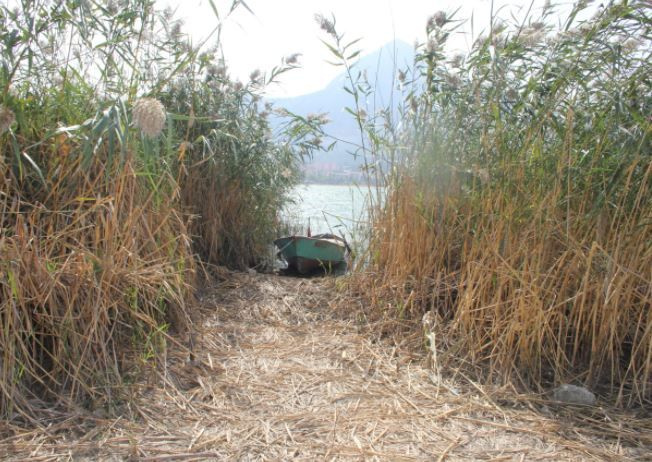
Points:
(519, 209)
(532, 284)
(95, 268)
(95, 252)
(223, 225)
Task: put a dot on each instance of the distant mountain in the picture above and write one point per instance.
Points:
(381, 68)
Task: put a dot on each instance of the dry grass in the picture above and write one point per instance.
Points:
(94, 270)
(277, 374)
(224, 226)
(519, 209)
(515, 284)
(110, 136)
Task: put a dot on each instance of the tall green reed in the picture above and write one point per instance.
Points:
(519, 200)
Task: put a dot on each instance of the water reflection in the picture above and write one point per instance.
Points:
(335, 209)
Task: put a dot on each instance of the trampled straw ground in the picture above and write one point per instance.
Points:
(278, 373)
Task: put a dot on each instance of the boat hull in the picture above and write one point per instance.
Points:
(308, 254)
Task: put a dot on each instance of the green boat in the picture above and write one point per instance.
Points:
(306, 254)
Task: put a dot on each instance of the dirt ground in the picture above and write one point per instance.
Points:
(278, 374)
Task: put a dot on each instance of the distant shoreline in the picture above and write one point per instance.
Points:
(313, 183)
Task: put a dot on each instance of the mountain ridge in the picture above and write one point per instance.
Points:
(381, 67)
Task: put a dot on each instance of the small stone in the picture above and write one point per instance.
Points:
(572, 394)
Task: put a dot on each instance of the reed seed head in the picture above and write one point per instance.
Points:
(436, 20)
(326, 24)
(453, 80)
(293, 59)
(320, 119)
(432, 46)
(7, 118)
(175, 30)
(216, 71)
(531, 37)
(538, 25)
(149, 116)
(255, 76)
(440, 18)
(457, 61)
(282, 112)
(631, 45)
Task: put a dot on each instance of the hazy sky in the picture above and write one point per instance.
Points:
(282, 27)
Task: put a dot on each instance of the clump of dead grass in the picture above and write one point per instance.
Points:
(94, 273)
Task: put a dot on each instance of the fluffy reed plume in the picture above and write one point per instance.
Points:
(149, 116)
(435, 21)
(7, 118)
(327, 25)
(293, 59)
(255, 77)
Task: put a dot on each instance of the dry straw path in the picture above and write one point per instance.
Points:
(279, 375)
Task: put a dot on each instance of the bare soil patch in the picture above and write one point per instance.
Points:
(276, 373)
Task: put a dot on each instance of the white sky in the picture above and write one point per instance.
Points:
(279, 28)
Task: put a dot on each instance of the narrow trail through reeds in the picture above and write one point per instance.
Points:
(277, 373)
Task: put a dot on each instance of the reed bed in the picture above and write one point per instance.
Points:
(531, 300)
(94, 273)
(237, 174)
(127, 156)
(517, 222)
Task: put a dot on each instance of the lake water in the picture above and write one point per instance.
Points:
(336, 209)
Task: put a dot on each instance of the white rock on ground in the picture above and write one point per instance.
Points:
(572, 394)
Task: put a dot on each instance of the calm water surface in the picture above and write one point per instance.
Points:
(337, 209)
